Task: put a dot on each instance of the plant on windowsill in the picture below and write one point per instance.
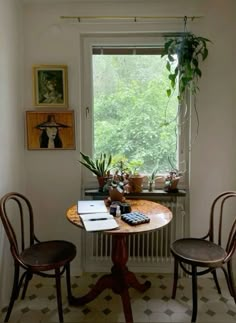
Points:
(135, 178)
(152, 179)
(116, 186)
(100, 167)
(172, 180)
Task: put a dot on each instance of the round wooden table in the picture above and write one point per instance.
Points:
(120, 278)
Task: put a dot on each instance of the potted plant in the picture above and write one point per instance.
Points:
(116, 190)
(99, 166)
(172, 180)
(118, 183)
(184, 55)
(152, 178)
(135, 178)
(116, 186)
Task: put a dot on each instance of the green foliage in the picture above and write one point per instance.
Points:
(134, 166)
(120, 164)
(99, 166)
(153, 175)
(131, 107)
(188, 50)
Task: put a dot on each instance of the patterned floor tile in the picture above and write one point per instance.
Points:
(159, 317)
(155, 305)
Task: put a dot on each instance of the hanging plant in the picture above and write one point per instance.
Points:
(184, 56)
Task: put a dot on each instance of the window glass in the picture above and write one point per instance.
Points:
(132, 115)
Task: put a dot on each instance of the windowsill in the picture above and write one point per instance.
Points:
(144, 193)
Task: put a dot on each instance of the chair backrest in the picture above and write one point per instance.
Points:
(220, 206)
(17, 217)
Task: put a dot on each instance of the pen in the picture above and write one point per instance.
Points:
(98, 219)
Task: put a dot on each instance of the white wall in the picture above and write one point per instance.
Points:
(213, 154)
(11, 120)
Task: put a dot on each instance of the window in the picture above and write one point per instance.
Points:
(130, 113)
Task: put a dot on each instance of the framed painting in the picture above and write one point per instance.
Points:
(50, 86)
(50, 130)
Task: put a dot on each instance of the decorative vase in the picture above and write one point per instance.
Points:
(116, 195)
(151, 186)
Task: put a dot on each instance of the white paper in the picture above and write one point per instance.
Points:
(91, 206)
(98, 221)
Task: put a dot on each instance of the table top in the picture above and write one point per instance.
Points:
(159, 217)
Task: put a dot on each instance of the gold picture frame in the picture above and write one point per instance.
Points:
(52, 130)
(50, 86)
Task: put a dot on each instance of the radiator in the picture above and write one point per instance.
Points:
(149, 251)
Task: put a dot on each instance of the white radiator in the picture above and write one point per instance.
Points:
(149, 252)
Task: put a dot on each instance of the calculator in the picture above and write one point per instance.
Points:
(134, 218)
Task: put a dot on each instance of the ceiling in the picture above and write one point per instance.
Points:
(71, 1)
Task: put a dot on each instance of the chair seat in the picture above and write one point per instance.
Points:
(48, 255)
(201, 252)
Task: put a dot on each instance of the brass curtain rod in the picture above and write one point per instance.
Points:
(130, 17)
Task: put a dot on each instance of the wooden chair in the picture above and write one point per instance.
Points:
(29, 253)
(208, 252)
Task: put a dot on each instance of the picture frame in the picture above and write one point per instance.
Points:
(51, 130)
(50, 86)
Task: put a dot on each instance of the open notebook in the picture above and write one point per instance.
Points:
(95, 216)
(98, 221)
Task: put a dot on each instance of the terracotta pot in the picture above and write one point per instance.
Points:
(171, 186)
(136, 183)
(101, 182)
(115, 195)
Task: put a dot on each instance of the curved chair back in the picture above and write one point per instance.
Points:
(35, 257)
(199, 256)
(17, 217)
(218, 221)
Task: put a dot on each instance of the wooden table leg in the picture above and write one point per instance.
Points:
(119, 280)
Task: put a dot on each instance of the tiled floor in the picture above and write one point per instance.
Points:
(155, 305)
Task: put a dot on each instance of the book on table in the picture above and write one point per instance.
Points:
(95, 216)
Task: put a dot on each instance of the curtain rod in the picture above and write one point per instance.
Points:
(135, 18)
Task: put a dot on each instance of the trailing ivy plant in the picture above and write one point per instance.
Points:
(185, 72)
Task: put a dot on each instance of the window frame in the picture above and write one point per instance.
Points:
(88, 41)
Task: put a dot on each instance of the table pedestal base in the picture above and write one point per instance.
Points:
(119, 280)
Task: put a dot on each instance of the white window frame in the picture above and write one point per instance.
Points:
(88, 41)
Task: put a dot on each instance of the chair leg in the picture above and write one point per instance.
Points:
(14, 293)
(27, 280)
(176, 267)
(194, 293)
(216, 281)
(68, 282)
(58, 288)
(231, 286)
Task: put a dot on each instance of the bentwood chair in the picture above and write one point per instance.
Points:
(205, 255)
(31, 255)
